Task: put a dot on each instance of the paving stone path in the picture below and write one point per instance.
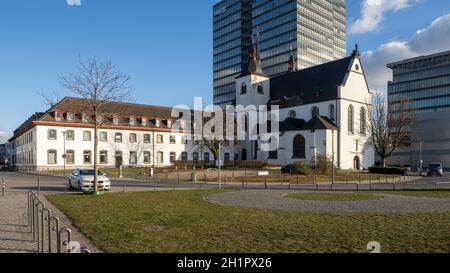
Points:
(276, 200)
(15, 234)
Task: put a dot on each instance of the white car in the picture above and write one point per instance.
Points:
(83, 180)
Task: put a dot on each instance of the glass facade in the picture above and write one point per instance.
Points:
(313, 31)
(424, 82)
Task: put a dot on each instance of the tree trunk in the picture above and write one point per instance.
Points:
(95, 156)
(383, 162)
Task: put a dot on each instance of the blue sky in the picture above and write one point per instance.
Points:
(166, 46)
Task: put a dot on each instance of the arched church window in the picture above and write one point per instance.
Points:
(351, 120)
(332, 112)
(292, 114)
(315, 112)
(362, 121)
(299, 147)
(260, 89)
(243, 89)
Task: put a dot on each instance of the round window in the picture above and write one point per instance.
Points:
(357, 67)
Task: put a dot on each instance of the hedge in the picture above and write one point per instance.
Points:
(388, 170)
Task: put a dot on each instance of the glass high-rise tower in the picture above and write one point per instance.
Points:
(312, 31)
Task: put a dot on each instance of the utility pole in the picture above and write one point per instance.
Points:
(220, 174)
(64, 152)
(332, 157)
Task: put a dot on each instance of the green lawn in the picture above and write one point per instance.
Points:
(323, 196)
(182, 221)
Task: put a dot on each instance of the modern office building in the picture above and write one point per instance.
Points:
(311, 32)
(425, 82)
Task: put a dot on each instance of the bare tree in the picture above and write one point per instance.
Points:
(99, 83)
(51, 99)
(390, 121)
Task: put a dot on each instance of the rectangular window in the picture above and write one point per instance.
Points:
(70, 157)
(51, 134)
(206, 157)
(87, 157)
(184, 156)
(52, 157)
(146, 138)
(116, 120)
(147, 158)
(70, 135)
(173, 140)
(87, 136)
(173, 157)
(195, 156)
(118, 137)
(70, 116)
(160, 139)
(133, 158)
(103, 157)
(103, 136)
(133, 138)
(160, 158)
(57, 116)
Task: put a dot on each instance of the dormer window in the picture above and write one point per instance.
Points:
(169, 124)
(99, 119)
(58, 116)
(260, 89)
(158, 123)
(85, 118)
(132, 121)
(70, 116)
(116, 120)
(243, 89)
(144, 122)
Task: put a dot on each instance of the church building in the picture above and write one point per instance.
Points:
(323, 111)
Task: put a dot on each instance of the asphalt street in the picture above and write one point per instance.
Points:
(20, 183)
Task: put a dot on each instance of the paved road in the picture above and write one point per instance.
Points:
(20, 183)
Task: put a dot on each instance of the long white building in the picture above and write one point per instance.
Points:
(130, 135)
(323, 111)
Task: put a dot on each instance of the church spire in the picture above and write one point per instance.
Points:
(356, 53)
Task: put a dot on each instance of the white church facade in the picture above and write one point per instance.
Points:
(322, 111)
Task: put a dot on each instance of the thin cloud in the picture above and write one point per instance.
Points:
(433, 39)
(373, 14)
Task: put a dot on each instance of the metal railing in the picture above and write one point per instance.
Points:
(41, 220)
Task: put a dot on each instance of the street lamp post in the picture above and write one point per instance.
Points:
(420, 155)
(220, 174)
(64, 152)
(332, 157)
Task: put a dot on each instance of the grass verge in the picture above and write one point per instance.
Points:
(182, 221)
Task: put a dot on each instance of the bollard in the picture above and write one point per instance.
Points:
(69, 237)
(49, 229)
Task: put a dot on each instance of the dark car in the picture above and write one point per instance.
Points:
(435, 168)
(288, 169)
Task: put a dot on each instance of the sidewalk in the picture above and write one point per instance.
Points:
(15, 234)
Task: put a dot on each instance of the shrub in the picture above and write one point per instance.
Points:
(301, 168)
(323, 164)
(388, 170)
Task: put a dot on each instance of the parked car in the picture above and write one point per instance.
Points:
(288, 169)
(435, 168)
(83, 180)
